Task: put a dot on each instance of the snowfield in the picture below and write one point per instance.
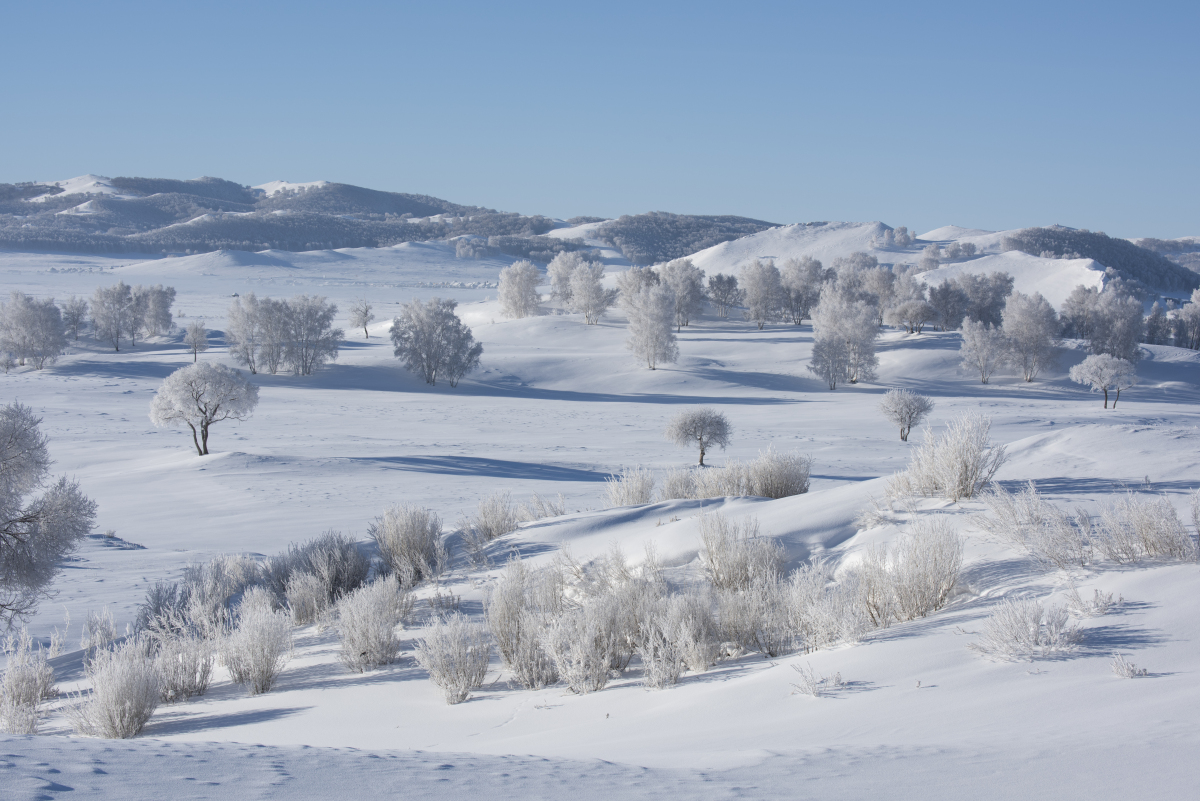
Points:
(557, 407)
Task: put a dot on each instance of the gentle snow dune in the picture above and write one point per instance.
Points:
(950, 233)
(1055, 279)
(825, 241)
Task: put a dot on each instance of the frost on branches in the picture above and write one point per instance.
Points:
(202, 394)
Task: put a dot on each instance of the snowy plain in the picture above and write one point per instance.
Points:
(557, 407)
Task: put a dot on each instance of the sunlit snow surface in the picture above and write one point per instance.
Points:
(557, 407)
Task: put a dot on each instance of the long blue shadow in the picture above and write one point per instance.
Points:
(474, 466)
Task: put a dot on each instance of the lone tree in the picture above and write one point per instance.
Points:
(35, 533)
(1103, 372)
(518, 290)
(196, 339)
(200, 395)
(431, 341)
(702, 426)
(361, 316)
(906, 409)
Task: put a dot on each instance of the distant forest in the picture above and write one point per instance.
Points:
(1129, 261)
(660, 236)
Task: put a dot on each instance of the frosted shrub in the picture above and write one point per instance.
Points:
(495, 517)
(333, 558)
(733, 480)
(677, 484)
(27, 680)
(926, 568)
(367, 621)
(810, 683)
(541, 507)
(689, 616)
(582, 643)
(517, 621)
(125, 692)
(1132, 529)
(778, 475)
(456, 653)
(1022, 629)
(954, 464)
(823, 613)
(257, 650)
(184, 664)
(662, 658)
(211, 587)
(98, 631)
(1125, 669)
(307, 598)
(734, 555)
(410, 542)
(164, 612)
(632, 487)
(1026, 522)
(1099, 604)
(905, 409)
(757, 618)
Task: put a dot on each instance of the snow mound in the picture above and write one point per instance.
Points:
(950, 233)
(821, 240)
(1053, 278)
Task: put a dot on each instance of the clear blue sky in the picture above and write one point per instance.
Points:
(988, 115)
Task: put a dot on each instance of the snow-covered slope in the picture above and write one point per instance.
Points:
(825, 241)
(1053, 278)
(85, 185)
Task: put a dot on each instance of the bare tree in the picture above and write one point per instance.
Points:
(35, 532)
(702, 426)
(196, 339)
(905, 409)
(361, 316)
(1103, 372)
(200, 395)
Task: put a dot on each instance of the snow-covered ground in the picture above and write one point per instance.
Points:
(556, 408)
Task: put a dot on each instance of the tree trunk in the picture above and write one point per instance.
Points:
(204, 437)
(1106, 398)
(195, 355)
(1117, 398)
(199, 451)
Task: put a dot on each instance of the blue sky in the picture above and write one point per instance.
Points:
(990, 115)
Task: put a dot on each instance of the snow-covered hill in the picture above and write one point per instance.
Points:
(1055, 279)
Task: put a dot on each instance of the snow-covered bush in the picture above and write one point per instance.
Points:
(1023, 629)
(99, 629)
(456, 653)
(333, 558)
(367, 621)
(631, 487)
(1126, 669)
(1132, 529)
(184, 663)
(1099, 604)
(677, 483)
(28, 679)
(660, 648)
(433, 342)
(732, 480)
(541, 507)
(733, 554)
(517, 617)
(410, 542)
(778, 475)
(810, 683)
(205, 596)
(824, 613)
(905, 409)
(1027, 522)
(125, 692)
(926, 566)
(1102, 373)
(757, 618)
(701, 426)
(689, 617)
(307, 599)
(583, 642)
(258, 648)
(954, 464)
(518, 290)
(494, 517)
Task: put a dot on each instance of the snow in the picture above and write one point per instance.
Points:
(950, 233)
(1055, 279)
(85, 185)
(556, 408)
(824, 241)
(275, 187)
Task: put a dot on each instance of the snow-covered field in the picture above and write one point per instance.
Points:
(556, 408)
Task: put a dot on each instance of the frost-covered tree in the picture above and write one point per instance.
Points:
(950, 302)
(686, 280)
(276, 328)
(74, 314)
(1078, 311)
(36, 531)
(702, 426)
(957, 251)
(724, 293)
(433, 342)
(651, 312)
(986, 295)
(32, 330)
(152, 308)
(1187, 324)
(901, 237)
(361, 315)
(1158, 327)
(631, 282)
(200, 395)
(1031, 327)
(844, 333)
(1117, 326)
(912, 315)
(518, 290)
(244, 331)
(588, 295)
(984, 349)
(135, 320)
(879, 288)
(560, 269)
(764, 292)
(112, 311)
(802, 280)
(905, 409)
(312, 340)
(195, 339)
(1103, 372)
(931, 258)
